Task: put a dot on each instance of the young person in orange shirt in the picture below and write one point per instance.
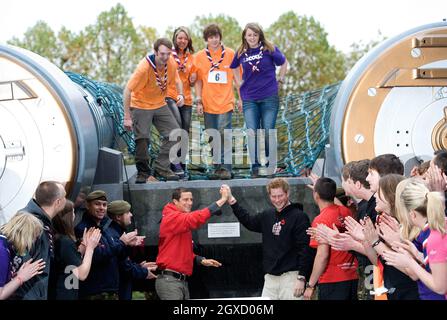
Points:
(215, 96)
(182, 57)
(144, 105)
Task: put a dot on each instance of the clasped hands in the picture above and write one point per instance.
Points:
(226, 195)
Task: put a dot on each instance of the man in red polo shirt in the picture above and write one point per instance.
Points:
(175, 247)
(333, 271)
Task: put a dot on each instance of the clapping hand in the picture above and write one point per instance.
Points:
(436, 178)
(388, 233)
(370, 232)
(410, 247)
(132, 239)
(400, 259)
(342, 242)
(92, 237)
(354, 229)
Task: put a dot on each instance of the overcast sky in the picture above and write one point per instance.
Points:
(344, 21)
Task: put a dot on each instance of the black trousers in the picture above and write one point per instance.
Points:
(344, 290)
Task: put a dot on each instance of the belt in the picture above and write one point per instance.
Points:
(177, 275)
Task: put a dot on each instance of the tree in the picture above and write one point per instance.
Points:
(40, 39)
(147, 36)
(71, 51)
(112, 46)
(360, 48)
(313, 62)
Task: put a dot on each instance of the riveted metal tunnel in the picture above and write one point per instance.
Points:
(50, 129)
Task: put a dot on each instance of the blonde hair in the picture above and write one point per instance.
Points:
(430, 204)
(407, 231)
(22, 231)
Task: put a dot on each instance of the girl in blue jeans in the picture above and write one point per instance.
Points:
(258, 88)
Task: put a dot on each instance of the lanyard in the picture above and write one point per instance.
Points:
(181, 66)
(160, 83)
(215, 65)
(254, 67)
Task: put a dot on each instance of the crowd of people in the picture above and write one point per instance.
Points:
(384, 239)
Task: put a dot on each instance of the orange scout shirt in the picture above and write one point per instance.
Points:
(217, 98)
(146, 94)
(184, 77)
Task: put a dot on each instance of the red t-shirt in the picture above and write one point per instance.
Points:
(342, 265)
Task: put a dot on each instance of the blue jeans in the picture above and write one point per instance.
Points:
(220, 122)
(259, 114)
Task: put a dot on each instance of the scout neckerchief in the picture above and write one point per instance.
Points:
(215, 65)
(162, 84)
(254, 67)
(181, 66)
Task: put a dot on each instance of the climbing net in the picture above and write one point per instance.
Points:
(302, 129)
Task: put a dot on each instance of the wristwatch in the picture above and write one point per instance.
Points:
(309, 286)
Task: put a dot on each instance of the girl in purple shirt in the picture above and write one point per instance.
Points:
(258, 89)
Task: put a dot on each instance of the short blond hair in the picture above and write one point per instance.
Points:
(278, 183)
(22, 231)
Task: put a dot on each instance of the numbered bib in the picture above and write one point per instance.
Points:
(217, 77)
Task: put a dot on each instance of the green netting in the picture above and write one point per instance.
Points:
(302, 128)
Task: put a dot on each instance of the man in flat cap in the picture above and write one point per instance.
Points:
(103, 280)
(119, 212)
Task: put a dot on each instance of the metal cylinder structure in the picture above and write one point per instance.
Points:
(394, 100)
(50, 129)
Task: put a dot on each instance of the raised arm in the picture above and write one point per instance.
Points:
(251, 222)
